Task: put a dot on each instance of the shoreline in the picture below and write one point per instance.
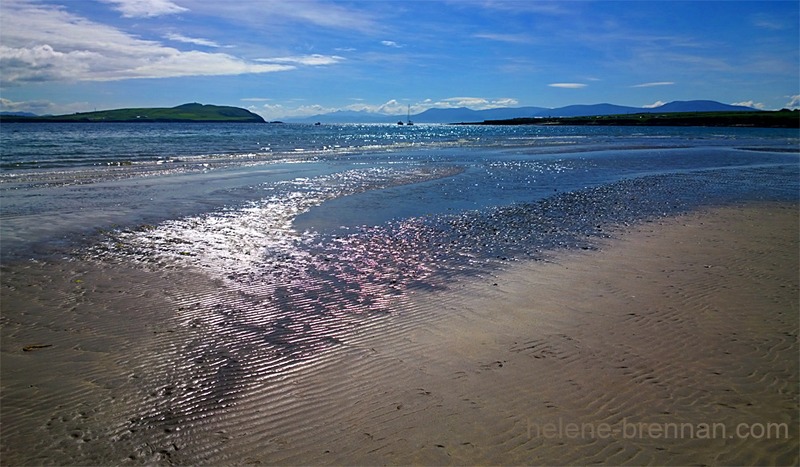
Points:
(665, 324)
(663, 328)
(755, 119)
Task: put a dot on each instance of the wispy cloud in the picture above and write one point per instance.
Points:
(326, 14)
(41, 43)
(764, 21)
(191, 40)
(287, 14)
(567, 85)
(517, 7)
(794, 102)
(194, 63)
(42, 107)
(309, 60)
(391, 44)
(145, 8)
(653, 84)
(510, 38)
(691, 61)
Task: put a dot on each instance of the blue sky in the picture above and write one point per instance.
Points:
(283, 58)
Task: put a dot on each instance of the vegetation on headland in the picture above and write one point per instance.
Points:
(183, 113)
(763, 119)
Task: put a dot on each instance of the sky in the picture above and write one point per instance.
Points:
(291, 58)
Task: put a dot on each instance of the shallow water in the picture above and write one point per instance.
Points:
(61, 183)
(202, 272)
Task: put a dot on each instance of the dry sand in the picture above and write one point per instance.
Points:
(677, 343)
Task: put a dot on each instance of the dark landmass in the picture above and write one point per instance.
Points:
(463, 114)
(17, 114)
(183, 113)
(762, 119)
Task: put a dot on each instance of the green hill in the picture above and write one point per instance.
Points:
(183, 113)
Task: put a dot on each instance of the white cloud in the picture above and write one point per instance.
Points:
(700, 62)
(145, 8)
(511, 38)
(768, 22)
(654, 105)
(475, 103)
(43, 43)
(394, 107)
(43, 63)
(42, 107)
(325, 14)
(391, 44)
(313, 109)
(650, 85)
(567, 85)
(753, 104)
(464, 101)
(194, 63)
(505, 102)
(191, 40)
(284, 15)
(311, 60)
(38, 106)
(277, 111)
(390, 107)
(794, 102)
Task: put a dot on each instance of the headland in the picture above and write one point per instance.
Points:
(193, 112)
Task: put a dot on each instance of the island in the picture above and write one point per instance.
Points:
(193, 112)
(763, 119)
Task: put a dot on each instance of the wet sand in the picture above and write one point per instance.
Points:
(675, 343)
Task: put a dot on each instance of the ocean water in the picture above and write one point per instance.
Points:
(183, 273)
(246, 203)
(383, 208)
(61, 184)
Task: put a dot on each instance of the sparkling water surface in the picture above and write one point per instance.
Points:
(63, 183)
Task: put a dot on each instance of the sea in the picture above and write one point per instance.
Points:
(263, 246)
(269, 185)
(238, 201)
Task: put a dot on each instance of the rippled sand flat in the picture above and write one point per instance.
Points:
(681, 321)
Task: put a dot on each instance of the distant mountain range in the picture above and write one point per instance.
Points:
(18, 114)
(212, 113)
(463, 114)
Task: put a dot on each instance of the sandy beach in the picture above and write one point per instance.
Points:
(675, 343)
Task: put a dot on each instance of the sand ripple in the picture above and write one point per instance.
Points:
(692, 320)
